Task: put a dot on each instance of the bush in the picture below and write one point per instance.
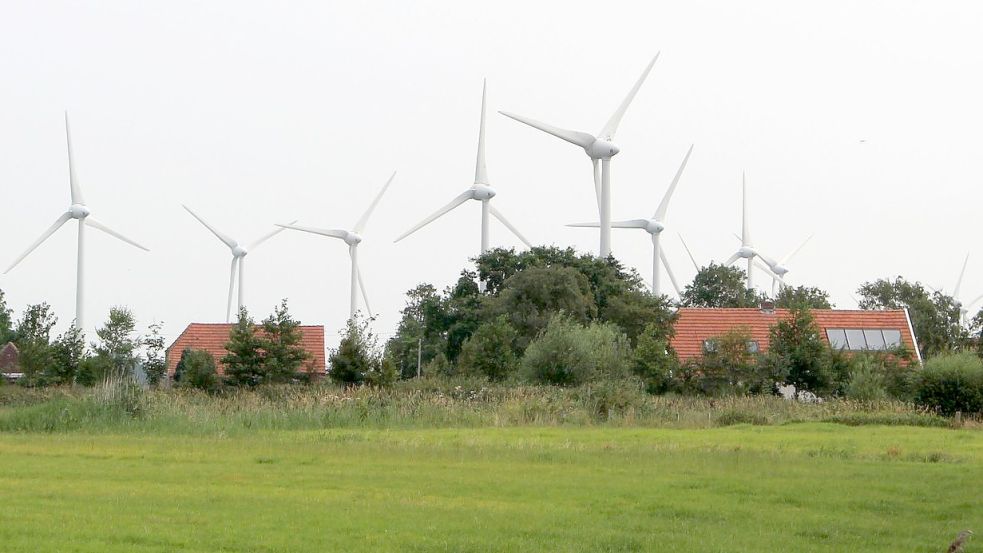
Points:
(196, 369)
(731, 368)
(489, 351)
(568, 354)
(866, 383)
(653, 360)
(951, 383)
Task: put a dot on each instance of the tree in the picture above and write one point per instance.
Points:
(155, 364)
(356, 356)
(638, 312)
(935, 317)
(69, 356)
(281, 344)
(719, 286)
(6, 323)
(813, 298)
(798, 355)
(420, 331)
(531, 298)
(117, 347)
(730, 364)
(33, 339)
(489, 351)
(244, 360)
(653, 359)
(196, 369)
(569, 354)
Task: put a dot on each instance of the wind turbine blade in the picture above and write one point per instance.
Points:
(732, 259)
(364, 219)
(959, 283)
(97, 225)
(581, 139)
(660, 213)
(480, 169)
(267, 236)
(597, 182)
(611, 128)
(361, 286)
(232, 283)
(72, 178)
(972, 303)
(745, 233)
(223, 237)
(498, 215)
(672, 277)
(633, 223)
(689, 253)
(763, 267)
(806, 241)
(44, 236)
(768, 261)
(460, 199)
(333, 233)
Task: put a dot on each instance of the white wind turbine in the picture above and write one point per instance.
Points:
(353, 238)
(964, 308)
(238, 260)
(599, 148)
(481, 191)
(79, 211)
(779, 269)
(746, 251)
(654, 227)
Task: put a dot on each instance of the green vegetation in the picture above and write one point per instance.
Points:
(821, 487)
(951, 383)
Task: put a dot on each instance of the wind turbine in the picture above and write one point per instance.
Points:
(353, 238)
(599, 148)
(654, 226)
(779, 269)
(964, 308)
(238, 259)
(746, 251)
(481, 191)
(689, 253)
(80, 212)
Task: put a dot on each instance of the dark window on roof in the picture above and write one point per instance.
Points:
(855, 338)
(837, 338)
(753, 346)
(892, 338)
(875, 339)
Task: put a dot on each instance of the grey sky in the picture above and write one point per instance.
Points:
(256, 113)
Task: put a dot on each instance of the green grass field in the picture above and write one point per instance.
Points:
(795, 487)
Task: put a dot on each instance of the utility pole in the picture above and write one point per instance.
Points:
(419, 355)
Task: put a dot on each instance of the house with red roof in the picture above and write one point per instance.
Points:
(212, 337)
(848, 330)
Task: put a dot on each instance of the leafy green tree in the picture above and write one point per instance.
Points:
(798, 355)
(813, 298)
(154, 362)
(570, 354)
(6, 323)
(69, 355)
(196, 369)
(730, 365)
(382, 374)
(638, 312)
(33, 340)
(490, 351)
(243, 361)
(420, 330)
(654, 359)
(532, 297)
(719, 286)
(463, 313)
(935, 317)
(117, 346)
(356, 356)
(283, 354)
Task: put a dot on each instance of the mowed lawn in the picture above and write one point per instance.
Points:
(800, 487)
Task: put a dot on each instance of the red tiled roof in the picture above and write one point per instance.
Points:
(212, 337)
(694, 325)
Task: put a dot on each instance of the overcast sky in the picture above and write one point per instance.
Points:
(859, 122)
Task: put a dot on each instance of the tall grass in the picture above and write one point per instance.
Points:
(119, 405)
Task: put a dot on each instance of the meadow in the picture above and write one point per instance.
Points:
(172, 472)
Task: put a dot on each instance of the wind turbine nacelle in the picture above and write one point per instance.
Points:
(654, 227)
(746, 252)
(352, 238)
(78, 211)
(779, 270)
(600, 149)
(483, 193)
(239, 251)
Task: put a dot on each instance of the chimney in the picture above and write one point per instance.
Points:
(768, 307)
